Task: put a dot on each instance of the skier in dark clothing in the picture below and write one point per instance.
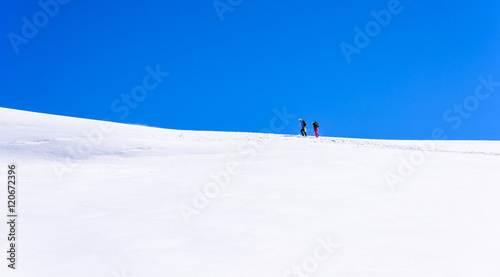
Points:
(303, 127)
(316, 126)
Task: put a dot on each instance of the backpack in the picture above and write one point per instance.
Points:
(316, 124)
(304, 122)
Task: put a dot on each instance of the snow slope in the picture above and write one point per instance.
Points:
(100, 199)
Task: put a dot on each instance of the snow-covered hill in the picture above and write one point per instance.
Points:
(101, 199)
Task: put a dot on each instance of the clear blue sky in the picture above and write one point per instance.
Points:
(229, 74)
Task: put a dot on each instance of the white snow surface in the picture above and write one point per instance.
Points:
(109, 203)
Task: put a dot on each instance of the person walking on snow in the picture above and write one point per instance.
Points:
(303, 127)
(316, 126)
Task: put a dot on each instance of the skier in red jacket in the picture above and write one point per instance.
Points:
(316, 126)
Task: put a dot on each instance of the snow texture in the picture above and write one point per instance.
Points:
(106, 199)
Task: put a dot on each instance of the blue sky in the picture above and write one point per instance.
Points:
(229, 67)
